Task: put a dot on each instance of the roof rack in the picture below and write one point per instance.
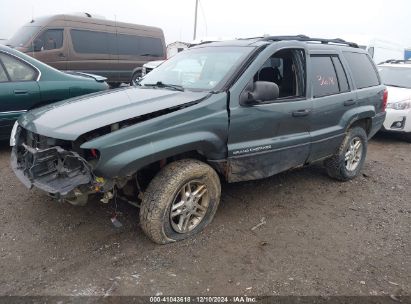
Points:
(309, 39)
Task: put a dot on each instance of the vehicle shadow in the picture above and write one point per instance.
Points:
(4, 146)
(384, 137)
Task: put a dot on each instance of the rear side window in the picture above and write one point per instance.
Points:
(140, 46)
(363, 70)
(91, 42)
(18, 70)
(323, 76)
(3, 75)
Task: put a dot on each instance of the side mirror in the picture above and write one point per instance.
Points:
(259, 92)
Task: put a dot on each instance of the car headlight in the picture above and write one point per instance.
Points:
(400, 105)
(13, 134)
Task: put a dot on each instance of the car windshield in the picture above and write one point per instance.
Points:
(396, 76)
(198, 69)
(22, 36)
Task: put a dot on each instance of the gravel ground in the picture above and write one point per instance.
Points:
(319, 237)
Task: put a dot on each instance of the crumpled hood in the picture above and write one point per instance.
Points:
(398, 94)
(73, 117)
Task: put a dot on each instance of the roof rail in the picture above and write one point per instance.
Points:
(309, 39)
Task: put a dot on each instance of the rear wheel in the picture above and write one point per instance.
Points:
(180, 201)
(347, 163)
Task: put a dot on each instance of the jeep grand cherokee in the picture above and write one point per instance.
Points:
(236, 110)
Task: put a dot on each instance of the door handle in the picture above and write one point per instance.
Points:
(349, 102)
(61, 55)
(21, 92)
(301, 113)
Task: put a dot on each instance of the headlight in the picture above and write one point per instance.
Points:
(13, 134)
(401, 105)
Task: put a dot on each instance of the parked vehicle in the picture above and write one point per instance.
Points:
(381, 50)
(149, 66)
(26, 83)
(115, 50)
(237, 110)
(396, 75)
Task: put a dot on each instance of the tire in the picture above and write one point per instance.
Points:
(338, 167)
(159, 216)
(136, 76)
(114, 85)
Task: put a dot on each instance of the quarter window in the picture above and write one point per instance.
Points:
(323, 76)
(364, 73)
(18, 70)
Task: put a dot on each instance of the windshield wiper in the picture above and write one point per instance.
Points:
(160, 84)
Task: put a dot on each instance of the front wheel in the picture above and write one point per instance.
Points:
(180, 201)
(348, 161)
(136, 77)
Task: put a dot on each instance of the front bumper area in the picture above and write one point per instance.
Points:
(53, 170)
(398, 121)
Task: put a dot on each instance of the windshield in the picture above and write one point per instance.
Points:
(198, 69)
(396, 76)
(23, 35)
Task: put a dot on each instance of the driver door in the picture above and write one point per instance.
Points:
(273, 136)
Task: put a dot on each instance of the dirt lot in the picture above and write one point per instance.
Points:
(321, 237)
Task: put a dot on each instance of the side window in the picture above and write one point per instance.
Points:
(285, 68)
(18, 70)
(3, 75)
(51, 39)
(90, 42)
(323, 76)
(363, 70)
(342, 76)
(140, 46)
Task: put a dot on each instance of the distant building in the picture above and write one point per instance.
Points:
(176, 47)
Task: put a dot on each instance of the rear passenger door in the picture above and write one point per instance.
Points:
(332, 96)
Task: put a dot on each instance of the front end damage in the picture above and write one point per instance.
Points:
(55, 166)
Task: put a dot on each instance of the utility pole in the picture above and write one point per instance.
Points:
(195, 21)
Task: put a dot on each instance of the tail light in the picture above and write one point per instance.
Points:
(384, 100)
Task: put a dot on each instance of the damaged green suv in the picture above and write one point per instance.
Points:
(238, 110)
